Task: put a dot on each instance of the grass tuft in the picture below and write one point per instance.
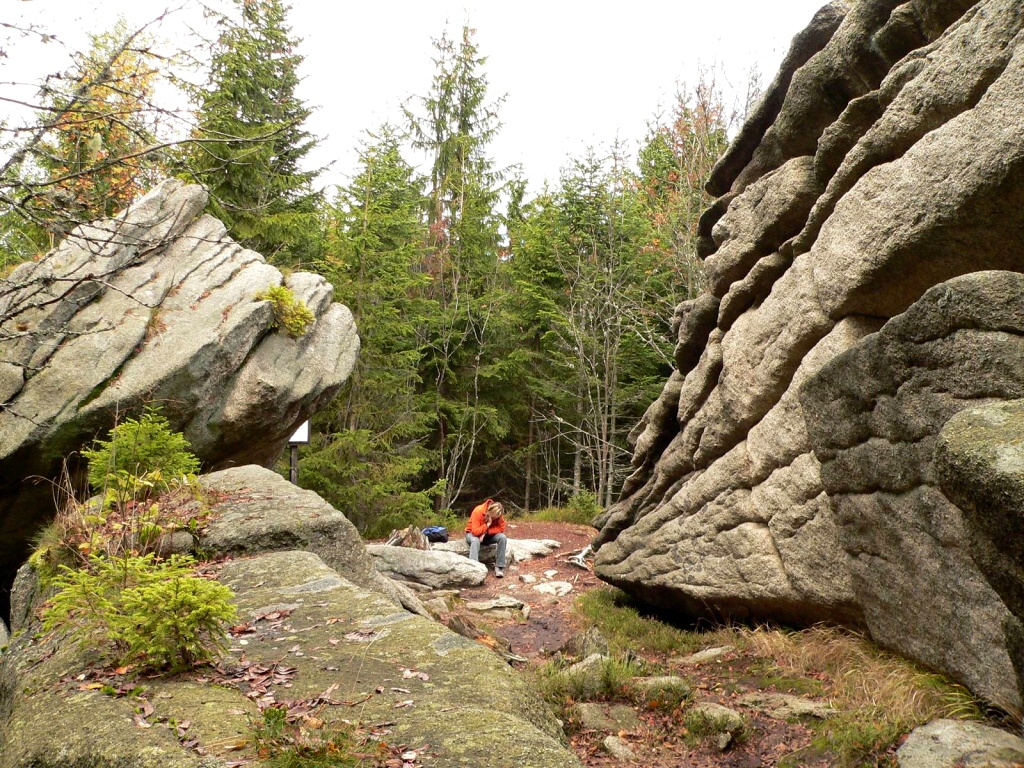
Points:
(626, 626)
(572, 515)
(879, 696)
(310, 743)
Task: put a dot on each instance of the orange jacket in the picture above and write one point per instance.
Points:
(478, 527)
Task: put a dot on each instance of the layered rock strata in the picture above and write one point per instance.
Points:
(874, 416)
(885, 159)
(154, 307)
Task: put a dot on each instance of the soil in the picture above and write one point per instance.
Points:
(552, 619)
(660, 741)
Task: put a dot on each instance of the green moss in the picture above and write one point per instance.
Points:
(621, 621)
(701, 727)
(290, 312)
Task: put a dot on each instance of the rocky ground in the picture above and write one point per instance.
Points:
(657, 738)
(780, 711)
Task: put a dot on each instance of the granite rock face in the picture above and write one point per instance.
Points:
(255, 510)
(885, 160)
(959, 744)
(979, 459)
(874, 415)
(154, 307)
(340, 650)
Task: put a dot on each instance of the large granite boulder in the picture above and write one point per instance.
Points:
(153, 307)
(253, 509)
(874, 415)
(248, 511)
(979, 459)
(887, 159)
(960, 744)
(517, 550)
(313, 642)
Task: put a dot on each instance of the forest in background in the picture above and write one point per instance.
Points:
(510, 341)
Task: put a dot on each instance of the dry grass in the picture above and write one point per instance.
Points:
(860, 676)
(135, 526)
(571, 515)
(879, 696)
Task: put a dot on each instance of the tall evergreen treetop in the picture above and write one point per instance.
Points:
(463, 355)
(256, 140)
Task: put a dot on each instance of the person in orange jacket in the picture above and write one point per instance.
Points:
(487, 526)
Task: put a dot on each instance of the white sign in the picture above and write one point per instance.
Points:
(301, 434)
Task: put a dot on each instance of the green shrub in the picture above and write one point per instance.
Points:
(290, 312)
(584, 505)
(370, 480)
(559, 515)
(143, 456)
(156, 614)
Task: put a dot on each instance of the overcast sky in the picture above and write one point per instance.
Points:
(574, 74)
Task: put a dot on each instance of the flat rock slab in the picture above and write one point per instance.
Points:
(503, 603)
(436, 569)
(555, 588)
(783, 706)
(728, 720)
(256, 510)
(702, 657)
(518, 551)
(618, 748)
(610, 718)
(437, 605)
(373, 662)
(960, 744)
(453, 710)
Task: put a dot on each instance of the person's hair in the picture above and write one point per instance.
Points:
(495, 508)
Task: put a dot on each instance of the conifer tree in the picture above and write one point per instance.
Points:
(369, 442)
(464, 368)
(256, 142)
(591, 285)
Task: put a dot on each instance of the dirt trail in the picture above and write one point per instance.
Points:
(659, 740)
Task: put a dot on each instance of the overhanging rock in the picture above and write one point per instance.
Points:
(156, 306)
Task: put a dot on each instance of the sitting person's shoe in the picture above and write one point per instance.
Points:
(499, 572)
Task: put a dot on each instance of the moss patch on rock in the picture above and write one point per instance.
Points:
(349, 653)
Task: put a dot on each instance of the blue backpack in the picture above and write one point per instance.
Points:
(436, 533)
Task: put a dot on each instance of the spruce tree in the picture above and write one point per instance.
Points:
(253, 139)
(369, 447)
(464, 366)
(590, 283)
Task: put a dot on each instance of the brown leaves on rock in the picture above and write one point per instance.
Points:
(362, 635)
(254, 679)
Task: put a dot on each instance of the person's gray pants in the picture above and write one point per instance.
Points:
(497, 539)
